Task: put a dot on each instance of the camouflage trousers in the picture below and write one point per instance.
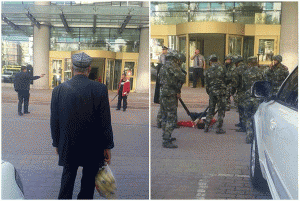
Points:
(228, 94)
(159, 116)
(220, 102)
(240, 106)
(168, 108)
(249, 106)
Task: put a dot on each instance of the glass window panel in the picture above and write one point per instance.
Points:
(172, 42)
(235, 45)
(182, 49)
(117, 73)
(266, 49)
(169, 17)
(67, 70)
(210, 16)
(289, 92)
(156, 48)
(169, 6)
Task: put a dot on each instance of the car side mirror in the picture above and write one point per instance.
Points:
(261, 89)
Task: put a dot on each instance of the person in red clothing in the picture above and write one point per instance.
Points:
(123, 91)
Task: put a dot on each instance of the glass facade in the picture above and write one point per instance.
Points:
(238, 12)
(104, 39)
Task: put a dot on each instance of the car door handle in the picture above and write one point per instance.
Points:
(273, 124)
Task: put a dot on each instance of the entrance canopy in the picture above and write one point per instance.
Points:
(20, 17)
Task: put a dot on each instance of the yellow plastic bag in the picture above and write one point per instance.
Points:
(105, 182)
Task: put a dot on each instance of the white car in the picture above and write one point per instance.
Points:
(11, 184)
(274, 151)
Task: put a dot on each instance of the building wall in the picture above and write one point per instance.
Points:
(288, 47)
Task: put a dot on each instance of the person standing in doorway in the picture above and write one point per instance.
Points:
(123, 91)
(22, 86)
(199, 67)
(81, 128)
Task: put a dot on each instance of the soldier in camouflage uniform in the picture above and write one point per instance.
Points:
(171, 79)
(230, 80)
(216, 89)
(277, 73)
(249, 103)
(162, 61)
(241, 67)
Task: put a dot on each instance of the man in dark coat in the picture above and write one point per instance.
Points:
(81, 128)
(22, 86)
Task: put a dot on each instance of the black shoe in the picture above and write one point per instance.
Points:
(124, 110)
(26, 112)
(249, 140)
(241, 130)
(220, 131)
(173, 139)
(238, 125)
(206, 128)
(169, 145)
(118, 109)
(20, 114)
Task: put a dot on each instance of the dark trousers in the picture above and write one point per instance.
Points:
(23, 95)
(198, 73)
(87, 182)
(120, 98)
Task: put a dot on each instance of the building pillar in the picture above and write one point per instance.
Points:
(41, 48)
(288, 47)
(143, 62)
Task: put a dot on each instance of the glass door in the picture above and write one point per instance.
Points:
(109, 74)
(130, 71)
(67, 70)
(117, 74)
(235, 45)
(56, 72)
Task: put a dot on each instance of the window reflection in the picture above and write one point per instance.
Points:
(239, 12)
(156, 47)
(235, 45)
(266, 49)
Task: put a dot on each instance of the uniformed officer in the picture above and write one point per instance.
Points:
(22, 86)
(277, 73)
(216, 89)
(249, 103)
(241, 67)
(231, 79)
(162, 61)
(171, 79)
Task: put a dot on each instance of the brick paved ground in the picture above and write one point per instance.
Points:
(205, 165)
(27, 144)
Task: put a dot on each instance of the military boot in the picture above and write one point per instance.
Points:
(249, 139)
(220, 131)
(159, 125)
(238, 125)
(173, 139)
(242, 129)
(169, 144)
(206, 128)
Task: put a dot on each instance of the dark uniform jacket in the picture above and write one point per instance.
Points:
(22, 81)
(81, 122)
